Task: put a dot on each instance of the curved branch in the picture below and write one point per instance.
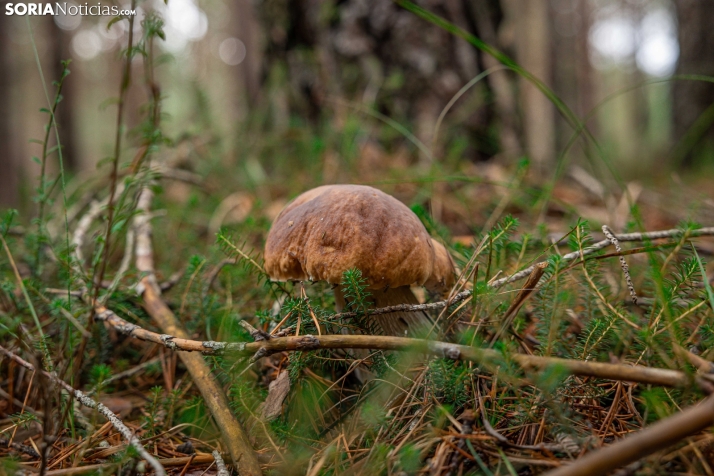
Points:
(234, 435)
(631, 373)
(524, 273)
(90, 403)
(666, 377)
(650, 235)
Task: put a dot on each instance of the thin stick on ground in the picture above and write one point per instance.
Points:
(234, 436)
(90, 403)
(166, 462)
(638, 445)
(211, 277)
(529, 288)
(625, 269)
(262, 348)
(509, 279)
(220, 464)
(524, 273)
(28, 450)
(603, 302)
(80, 232)
(650, 235)
(125, 374)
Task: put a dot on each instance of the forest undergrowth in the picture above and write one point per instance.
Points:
(143, 287)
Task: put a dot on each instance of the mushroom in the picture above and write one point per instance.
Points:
(331, 229)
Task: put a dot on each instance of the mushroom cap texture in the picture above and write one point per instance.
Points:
(442, 275)
(331, 229)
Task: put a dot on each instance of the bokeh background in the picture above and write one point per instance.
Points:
(292, 93)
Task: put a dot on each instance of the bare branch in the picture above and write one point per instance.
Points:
(666, 377)
(220, 464)
(625, 269)
(28, 450)
(524, 273)
(78, 237)
(90, 403)
(202, 458)
(529, 288)
(638, 445)
(234, 435)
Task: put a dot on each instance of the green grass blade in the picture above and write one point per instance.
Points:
(707, 284)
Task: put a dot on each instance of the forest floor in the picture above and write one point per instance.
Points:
(185, 260)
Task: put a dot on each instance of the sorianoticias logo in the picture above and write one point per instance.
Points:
(65, 8)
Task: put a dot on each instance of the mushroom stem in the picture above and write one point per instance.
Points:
(396, 323)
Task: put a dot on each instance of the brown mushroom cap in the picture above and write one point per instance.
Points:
(442, 275)
(331, 229)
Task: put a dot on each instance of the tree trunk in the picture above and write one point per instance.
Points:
(692, 112)
(386, 58)
(485, 20)
(249, 70)
(9, 163)
(66, 109)
(533, 52)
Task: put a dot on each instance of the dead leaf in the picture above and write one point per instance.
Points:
(277, 391)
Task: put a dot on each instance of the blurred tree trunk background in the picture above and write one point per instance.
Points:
(9, 163)
(693, 101)
(386, 58)
(534, 53)
(273, 65)
(67, 109)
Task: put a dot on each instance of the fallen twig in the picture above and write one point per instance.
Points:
(28, 450)
(126, 373)
(631, 373)
(211, 277)
(262, 348)
(220, 464)
(78, 237)
(529, 288)
(90, 403)
(524, 273)
(432, 306)
(457, 297)
(93, 468)
(234, 436)
(625, 269)
(650, 235)
(638, 445)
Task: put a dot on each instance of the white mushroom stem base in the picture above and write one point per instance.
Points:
(396, 323)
